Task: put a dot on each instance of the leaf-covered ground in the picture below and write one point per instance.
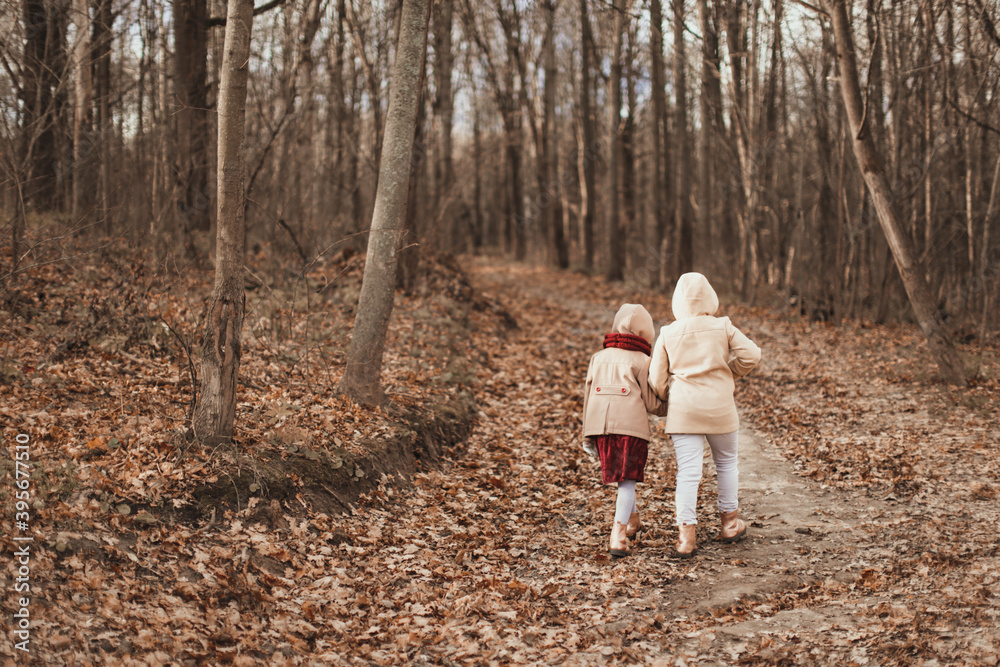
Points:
(871, 490)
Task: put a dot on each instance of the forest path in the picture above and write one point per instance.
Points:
(647, 606)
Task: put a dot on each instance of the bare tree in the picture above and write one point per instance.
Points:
(550, 198)
(361, 379)
(662, 182)
(215, 411)
(103, 20)
(615, 227)
(41, 68)
(191, 99)
(710, 111)
(82, 113)
(444, 105)
(683, 249)
(588, 154)
(910, 268)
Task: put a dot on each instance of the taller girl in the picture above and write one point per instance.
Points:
(694, 364)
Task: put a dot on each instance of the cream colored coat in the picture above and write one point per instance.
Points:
(696, 360)
(617, 394)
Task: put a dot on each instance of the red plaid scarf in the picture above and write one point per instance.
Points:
(627, 342)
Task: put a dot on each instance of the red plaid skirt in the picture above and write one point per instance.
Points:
(622, 457)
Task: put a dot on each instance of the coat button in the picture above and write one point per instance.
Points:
(623, 390)
(598, 389)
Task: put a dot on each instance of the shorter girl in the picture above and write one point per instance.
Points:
(616, 399)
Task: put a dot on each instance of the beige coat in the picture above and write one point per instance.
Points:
(617, 395)
(696, 360)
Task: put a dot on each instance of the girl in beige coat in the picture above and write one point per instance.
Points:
(694, 364)
(616, 399)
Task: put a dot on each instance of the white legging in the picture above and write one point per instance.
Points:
(625, 505)
(689, 450)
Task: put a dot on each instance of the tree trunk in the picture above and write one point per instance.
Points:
(409, 257)
(660, 140)
(550, 198)
(476, 221)
(615, 225)
(444, 106)
(683, 223)
(629, 181)
(589, 153)
(215, 412)
(361, 382)
(191, 98)
(38, 153)
(710, 109)
(105, 124)
(869, 161)
(82, 116)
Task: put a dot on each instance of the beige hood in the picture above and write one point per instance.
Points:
(694, 296)
(632, 318)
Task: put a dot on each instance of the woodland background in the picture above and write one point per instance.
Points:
(192, 181)
(717, 125)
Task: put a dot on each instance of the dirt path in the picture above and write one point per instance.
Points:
(818, 579)
(800, 534)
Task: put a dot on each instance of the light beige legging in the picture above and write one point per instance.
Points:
(689, 450)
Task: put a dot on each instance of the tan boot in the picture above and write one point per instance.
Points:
(634, 525)
(687, 541)
(734, 529)
(619, 541)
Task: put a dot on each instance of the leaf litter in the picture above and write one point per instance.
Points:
(870, 490)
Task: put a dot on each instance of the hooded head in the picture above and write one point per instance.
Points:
(694, 296)
(632, 318)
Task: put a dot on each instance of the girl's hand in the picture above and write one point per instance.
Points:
(588, 446)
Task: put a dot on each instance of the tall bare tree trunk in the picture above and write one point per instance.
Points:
(630, 183)
(710, 105)
(588, 154)
(191, 98)
(215, 411)
(39, 78)
(102, 92)
(409, 259)
(551, 197)
(660, 138)
(477, 222)
(870, 163)
(615, 225)
(683, 223)
(444, 106)
(364, 359)
(82, 115)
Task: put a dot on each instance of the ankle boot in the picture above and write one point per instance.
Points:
(634, 525)
(734, 529)
(619, 541)
(686, 540)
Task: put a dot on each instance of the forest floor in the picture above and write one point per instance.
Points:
(871, 489)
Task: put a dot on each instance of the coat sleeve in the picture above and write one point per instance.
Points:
(659, 368)
(586, 393)
(743, 352)
(654, 404)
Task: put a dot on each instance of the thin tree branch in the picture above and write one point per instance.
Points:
(987, 22)
(627, 9)
(814, 8)
(257, 11)
(968, 116)
(191, 371)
